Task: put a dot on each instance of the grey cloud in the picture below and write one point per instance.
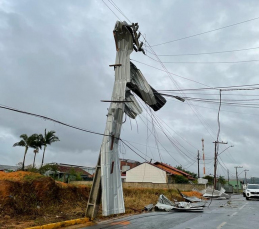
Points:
(54, 62)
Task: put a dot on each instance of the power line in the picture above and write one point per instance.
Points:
(111, 10)
(177, 86)
(50, 119)
(209, 31)
(133, 150)
(218, 88)
(174, 144)
(209, 94)
(170, 76)
(208, 62)
(170, 73)
(206, 53)
(116, 7)
(225, 110)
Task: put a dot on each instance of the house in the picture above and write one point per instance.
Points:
(69, 172)
(173, 170)
(154, 173)
(90, 170)
(126, 164)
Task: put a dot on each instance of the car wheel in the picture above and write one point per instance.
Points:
(247, 198)
(244, 195)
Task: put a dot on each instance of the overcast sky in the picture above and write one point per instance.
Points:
(55, 58)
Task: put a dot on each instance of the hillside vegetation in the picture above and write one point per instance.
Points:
(29, 199)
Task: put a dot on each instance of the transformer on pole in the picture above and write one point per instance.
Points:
(107, 185)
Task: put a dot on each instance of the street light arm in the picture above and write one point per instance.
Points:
(225, 149)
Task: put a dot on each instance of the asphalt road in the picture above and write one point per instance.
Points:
(236, 213)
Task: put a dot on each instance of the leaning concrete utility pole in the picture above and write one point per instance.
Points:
(216, 161)
(107, 185)
(237, 167)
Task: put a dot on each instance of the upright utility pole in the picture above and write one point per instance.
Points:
(228, 176)
(203, 157)
(216, 162)
(198, 158)
(237, 167)
(246, 170)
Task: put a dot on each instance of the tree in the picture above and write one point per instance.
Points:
(194, 175)
(28, 142)
(181, 179)
(210, 179)
(39, 142)
(35, 152)
(222, 180)
(48, 138)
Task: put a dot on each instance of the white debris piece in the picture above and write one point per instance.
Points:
(213, 193)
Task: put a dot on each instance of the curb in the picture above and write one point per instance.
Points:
(64, 224)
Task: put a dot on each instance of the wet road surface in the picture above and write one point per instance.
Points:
(236, 213)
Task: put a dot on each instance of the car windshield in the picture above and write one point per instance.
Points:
(253, 186)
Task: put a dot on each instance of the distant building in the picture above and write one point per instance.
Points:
(253, 180)
(8, 168)
(67, 171)
(233, 182)
(90, 170)
(126, 164)
(154, 173)
(173, 170)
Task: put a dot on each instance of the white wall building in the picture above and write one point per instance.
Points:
(146, 173)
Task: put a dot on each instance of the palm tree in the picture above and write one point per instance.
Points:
(49, 138)
(39, 143)
(28, 142)
(35, 152)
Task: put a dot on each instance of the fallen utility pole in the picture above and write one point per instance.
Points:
(107, 185)
(237, 167)
(216, 161)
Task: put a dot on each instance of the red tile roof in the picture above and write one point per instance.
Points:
(67, 169)
(172, 170)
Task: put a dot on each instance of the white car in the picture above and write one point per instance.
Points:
(252, 191)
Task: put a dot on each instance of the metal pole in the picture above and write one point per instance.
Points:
(236, 167)
(198, 158)
(216, 161)
(245, 175)
(203, 156)
(215, 166)
(228, 176)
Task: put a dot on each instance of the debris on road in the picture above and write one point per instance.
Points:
(190, 199)
(165, 204)
(216, 194)
(149, 207)
(184, 206)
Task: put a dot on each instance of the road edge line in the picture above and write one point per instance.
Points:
(65, 224)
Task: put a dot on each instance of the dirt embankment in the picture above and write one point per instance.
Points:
(30, 199)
